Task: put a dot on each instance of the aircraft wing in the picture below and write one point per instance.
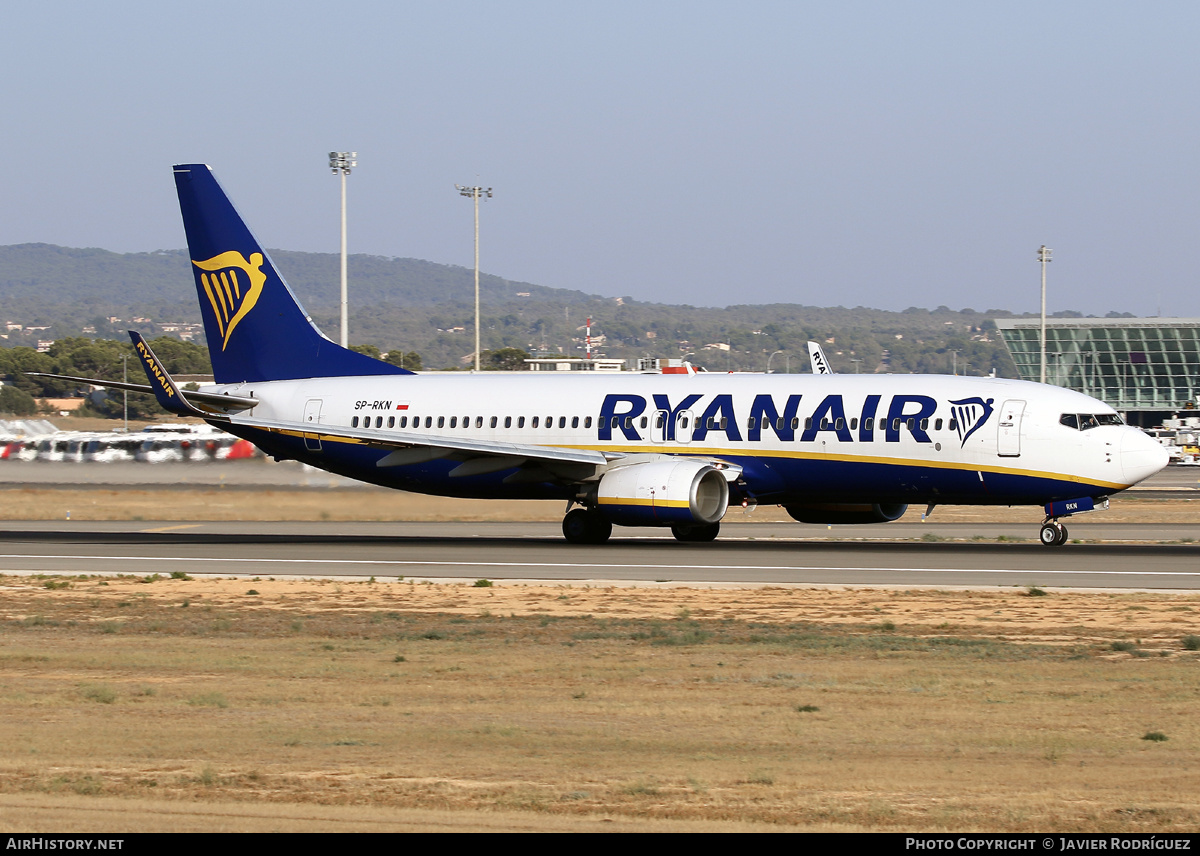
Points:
(411, 447)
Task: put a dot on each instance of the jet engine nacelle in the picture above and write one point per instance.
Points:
(847, 512)
(660, 493)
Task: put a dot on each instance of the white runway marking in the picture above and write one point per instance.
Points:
(586, 565)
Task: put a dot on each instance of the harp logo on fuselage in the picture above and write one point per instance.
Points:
(969, 415)
(232, 285)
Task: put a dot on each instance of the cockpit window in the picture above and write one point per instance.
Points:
(1084, 421)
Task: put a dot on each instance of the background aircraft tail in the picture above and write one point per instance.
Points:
(256, 328)
(820, 363)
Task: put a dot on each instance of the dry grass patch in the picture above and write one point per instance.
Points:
(774, 706)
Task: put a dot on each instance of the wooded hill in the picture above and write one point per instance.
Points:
(428, 308)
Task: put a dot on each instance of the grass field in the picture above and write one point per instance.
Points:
(150, 703)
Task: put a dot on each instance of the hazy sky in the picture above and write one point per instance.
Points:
(853, 153)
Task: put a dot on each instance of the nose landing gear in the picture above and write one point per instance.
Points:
(1053, 534)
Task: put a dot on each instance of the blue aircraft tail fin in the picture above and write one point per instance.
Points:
(256, 328)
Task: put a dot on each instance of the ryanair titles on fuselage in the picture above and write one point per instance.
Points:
(620, 414)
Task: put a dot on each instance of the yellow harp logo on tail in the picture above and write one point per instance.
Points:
(233, 286)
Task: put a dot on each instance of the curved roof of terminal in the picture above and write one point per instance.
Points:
(1022, 323)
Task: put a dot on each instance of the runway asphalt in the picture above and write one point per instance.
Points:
(748, 552)
(745, 554)
(1173, 482)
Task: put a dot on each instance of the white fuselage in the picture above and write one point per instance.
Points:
(844, 437)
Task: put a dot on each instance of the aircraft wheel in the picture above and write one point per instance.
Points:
(586, 527)
(1053, 534)
(695, 534)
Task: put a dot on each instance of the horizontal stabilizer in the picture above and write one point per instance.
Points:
(212, 403)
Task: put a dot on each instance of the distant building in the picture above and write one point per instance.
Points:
(570, 364)
(1146, 368)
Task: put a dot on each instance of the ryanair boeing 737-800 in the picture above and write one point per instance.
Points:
(670, 450)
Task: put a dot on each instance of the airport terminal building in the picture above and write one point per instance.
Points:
(1148, 369)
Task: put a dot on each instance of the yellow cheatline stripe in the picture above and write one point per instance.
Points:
(713, 452)
(670, 503)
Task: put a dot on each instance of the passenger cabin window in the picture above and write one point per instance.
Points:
(495, 419)
(587, 422)
(574, 421)
(391, 421)
(507, 421)
(354, 422)
(441, 421)
(520, 421)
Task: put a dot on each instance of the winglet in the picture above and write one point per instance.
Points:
(165, 389)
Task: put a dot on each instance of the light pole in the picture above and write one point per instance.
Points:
(769, 360)
(475, 193)
(1044, 257)
(340, 163)
(856, 362)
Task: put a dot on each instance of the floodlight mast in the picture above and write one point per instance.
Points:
(341, 164)
(1044, 257)
(475, 193)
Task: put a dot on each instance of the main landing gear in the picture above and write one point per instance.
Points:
(1053, 534)
(695, 534)
(585, 526)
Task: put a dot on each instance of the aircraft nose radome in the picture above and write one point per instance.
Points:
(1141, 456)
